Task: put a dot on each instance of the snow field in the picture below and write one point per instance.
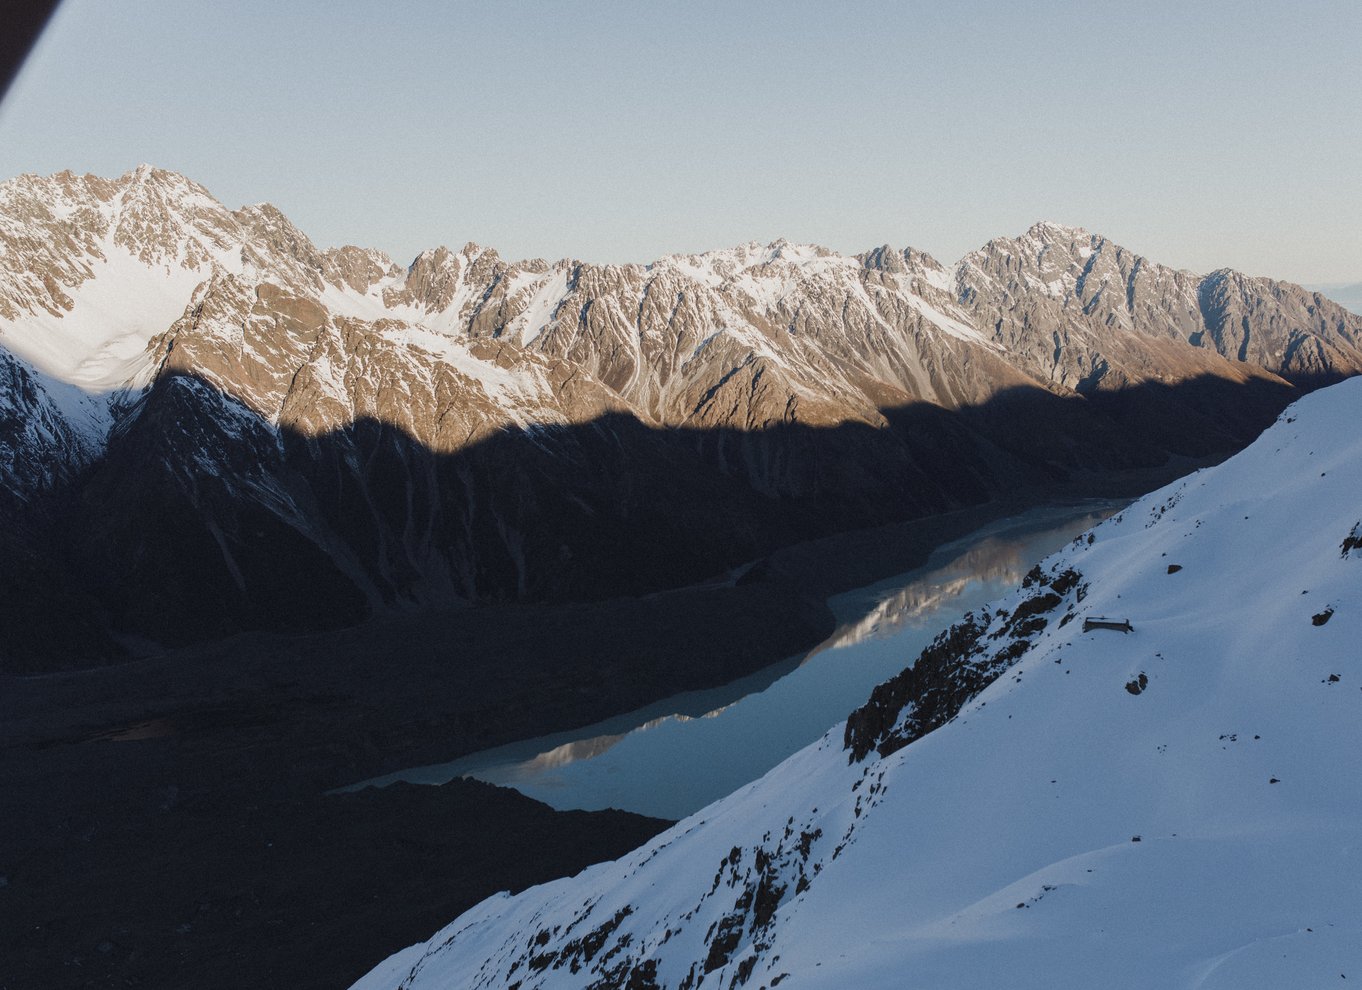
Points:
(1063, 830)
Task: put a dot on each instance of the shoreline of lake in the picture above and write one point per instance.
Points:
(571, 770)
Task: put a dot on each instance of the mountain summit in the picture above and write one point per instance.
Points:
(202, 413)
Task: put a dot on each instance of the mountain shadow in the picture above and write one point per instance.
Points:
(172, 817)
(202, 520)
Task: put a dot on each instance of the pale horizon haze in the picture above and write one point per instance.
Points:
(1202, 136)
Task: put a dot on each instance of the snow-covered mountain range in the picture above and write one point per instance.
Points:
(1034, 802)
(98, 273)
(203, 414)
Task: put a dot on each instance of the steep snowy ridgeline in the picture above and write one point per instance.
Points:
(1176, 806)
(98, 342)
(93, 269)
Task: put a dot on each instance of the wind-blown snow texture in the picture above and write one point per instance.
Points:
(1178, 806)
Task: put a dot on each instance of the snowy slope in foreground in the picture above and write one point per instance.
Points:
(1066, 828)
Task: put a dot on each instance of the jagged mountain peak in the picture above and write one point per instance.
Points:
(782, 252)
(1050, 230)
(146, 172)
(469, 250)
(783, 249)
(908, 260)
(1042, 241)
(111, 290)
(175, 194)
(359, 268)
(748, 255)
(445, 258)
(94, 271)
(163, 218)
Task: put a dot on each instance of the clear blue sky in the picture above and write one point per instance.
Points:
(1201, 134)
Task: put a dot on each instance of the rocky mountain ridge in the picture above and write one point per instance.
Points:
(201, 392)
(849, 330)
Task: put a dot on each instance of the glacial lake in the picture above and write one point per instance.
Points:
(676, 756)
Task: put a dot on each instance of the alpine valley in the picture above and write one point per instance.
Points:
(209, 425)
(275, 519)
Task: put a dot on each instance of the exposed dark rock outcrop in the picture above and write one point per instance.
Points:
(958, 664)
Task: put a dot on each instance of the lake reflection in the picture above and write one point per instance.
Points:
(665, 763)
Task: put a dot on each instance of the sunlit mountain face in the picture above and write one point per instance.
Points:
(205, 414)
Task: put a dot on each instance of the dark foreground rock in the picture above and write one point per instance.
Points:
(138, 881)
(167, 822)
